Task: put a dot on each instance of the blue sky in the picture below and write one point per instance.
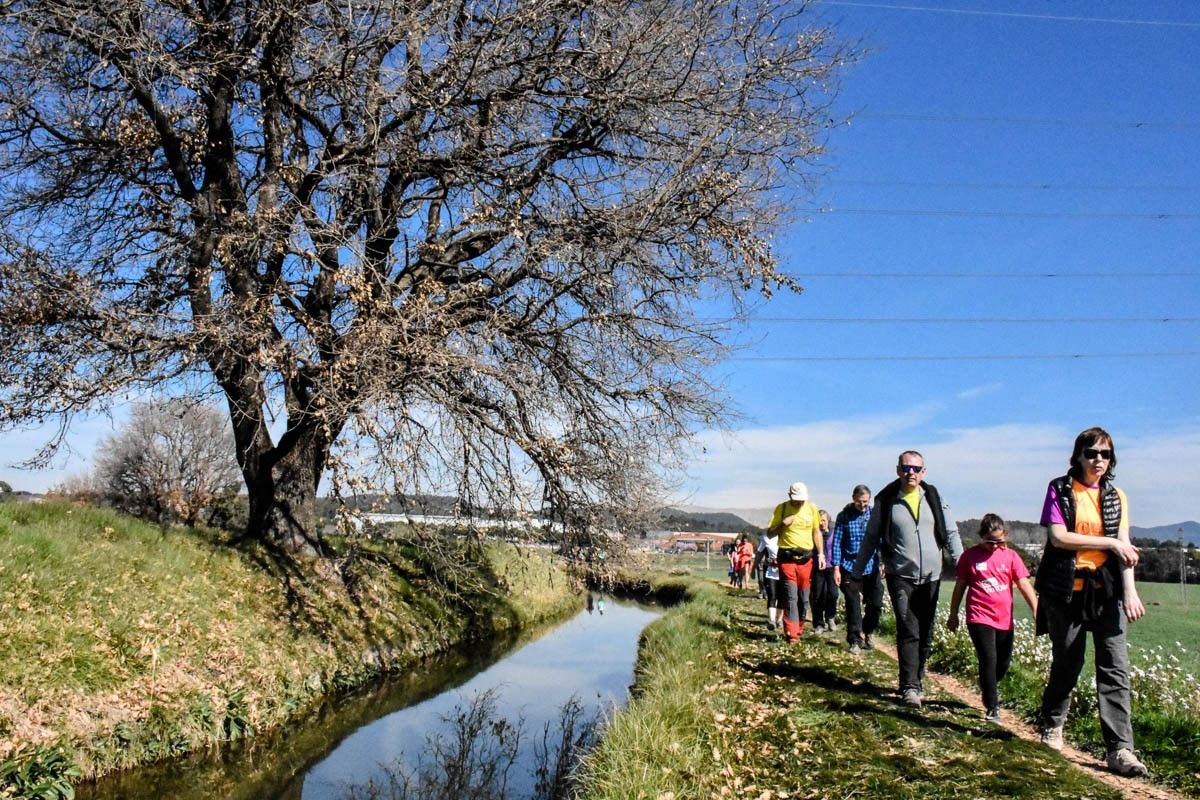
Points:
(1017, 182)
(1028, 166)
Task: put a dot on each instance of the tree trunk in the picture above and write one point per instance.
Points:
(283, 500)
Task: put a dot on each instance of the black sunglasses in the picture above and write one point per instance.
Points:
(1092, 452)
(911, 468)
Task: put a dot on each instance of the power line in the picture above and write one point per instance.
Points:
(833, 179)
(992, 357)
(974, 320)
(980, 13)
(991, 275)
(953, 212)
(991, 120)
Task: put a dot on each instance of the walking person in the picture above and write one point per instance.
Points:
(911, 524)
(766, 563)
(849, 531)
(745, 563)
(797, 523)
(1085, 584)
(986, 574)
(824, 589)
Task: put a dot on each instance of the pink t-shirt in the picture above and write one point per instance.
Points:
(990, 575)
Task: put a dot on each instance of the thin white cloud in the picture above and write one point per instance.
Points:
(999, 468)
(980, 391)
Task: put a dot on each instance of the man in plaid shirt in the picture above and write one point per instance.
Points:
(848, 533)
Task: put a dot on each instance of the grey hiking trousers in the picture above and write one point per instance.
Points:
(1069, 640)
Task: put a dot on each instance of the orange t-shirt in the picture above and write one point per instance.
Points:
(1090, 522)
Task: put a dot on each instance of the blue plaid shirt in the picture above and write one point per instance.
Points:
(851, 528)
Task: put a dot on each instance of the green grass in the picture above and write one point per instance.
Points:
(723, 708)
(124, 643)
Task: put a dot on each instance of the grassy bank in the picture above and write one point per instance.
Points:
(723, 708)
(123, 643)
(1166, 699)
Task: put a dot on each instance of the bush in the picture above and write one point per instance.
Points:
(46, 773)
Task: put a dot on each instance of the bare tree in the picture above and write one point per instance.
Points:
(172, 461)
(470, 235)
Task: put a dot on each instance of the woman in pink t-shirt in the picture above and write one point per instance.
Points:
(986, 573)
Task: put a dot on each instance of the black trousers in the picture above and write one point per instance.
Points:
(993, 648)
(824, 597)
(915, 606)
(858, 624)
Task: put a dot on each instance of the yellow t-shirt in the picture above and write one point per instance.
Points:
(798, 535)
(913, 498)
(1089, 521)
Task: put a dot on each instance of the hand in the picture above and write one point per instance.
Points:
(952, 622)
(788, 520)
(837, 576)
(1126, 552)
(1134, 609)
(820, 561)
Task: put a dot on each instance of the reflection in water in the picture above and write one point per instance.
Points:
(590, 657)
(474, 757)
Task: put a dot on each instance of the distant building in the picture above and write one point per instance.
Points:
(681, 541)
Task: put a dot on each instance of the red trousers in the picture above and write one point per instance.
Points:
(797, 581)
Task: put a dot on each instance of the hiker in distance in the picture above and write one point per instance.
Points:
(849, 531)
(1085, 583)
(911, 524)
(824, 588)
(797, 523)
(766, 563)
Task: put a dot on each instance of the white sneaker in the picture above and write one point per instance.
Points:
(832, 627)
(1053, 738)
(1125, 762)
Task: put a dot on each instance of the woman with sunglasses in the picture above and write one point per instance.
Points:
(986, 574)
(1085, 583)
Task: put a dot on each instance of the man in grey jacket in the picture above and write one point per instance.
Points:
(913, 525)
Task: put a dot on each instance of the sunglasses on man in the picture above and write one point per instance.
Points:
(911, 468)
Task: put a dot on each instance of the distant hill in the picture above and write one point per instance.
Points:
(1190, 531)
(704, 521)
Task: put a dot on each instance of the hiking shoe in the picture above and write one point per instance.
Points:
(911, 697)
(1124, 762)
(855, 650)
(992, 715)
(833, 627)
(869, 641)
(1052, 738)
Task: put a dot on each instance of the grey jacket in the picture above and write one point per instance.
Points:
(911, 548)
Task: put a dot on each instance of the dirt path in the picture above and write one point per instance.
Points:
(1133, 788)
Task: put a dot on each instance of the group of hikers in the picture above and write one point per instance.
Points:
(1084, 583)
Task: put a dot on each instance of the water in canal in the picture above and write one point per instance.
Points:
(590, 657)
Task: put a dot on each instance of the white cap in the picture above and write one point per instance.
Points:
(798, 491)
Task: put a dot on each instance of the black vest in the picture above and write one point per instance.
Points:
(890, 495)
(1056, 572)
